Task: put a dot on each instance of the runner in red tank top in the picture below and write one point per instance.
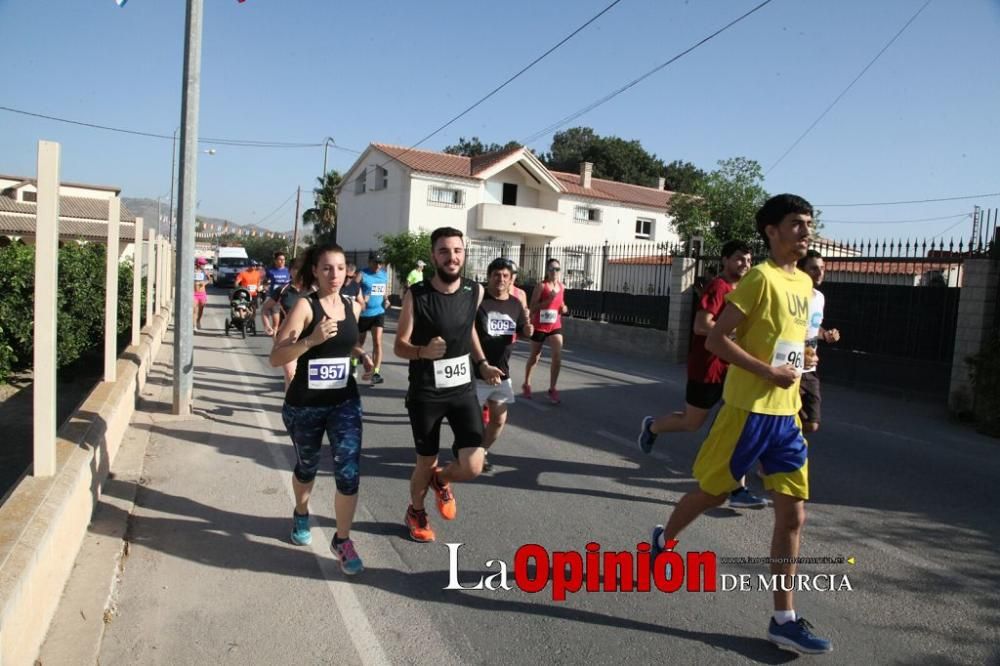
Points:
(547, 307)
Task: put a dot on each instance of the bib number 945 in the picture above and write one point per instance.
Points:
(451, 372)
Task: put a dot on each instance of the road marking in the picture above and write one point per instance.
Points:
(356, 622)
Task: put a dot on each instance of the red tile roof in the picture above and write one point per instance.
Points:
(429, 161)
(898, 267)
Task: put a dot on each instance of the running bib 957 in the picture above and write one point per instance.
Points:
(786, 352)
(547, 316)
(450, 372)
(329, 373)
(498, 323)
(378, 289)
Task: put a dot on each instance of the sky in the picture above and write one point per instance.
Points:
(922, 123)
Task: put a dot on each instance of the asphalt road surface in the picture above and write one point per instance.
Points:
(213, 578)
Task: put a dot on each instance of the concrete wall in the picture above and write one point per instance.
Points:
(682, 277)
(976, 310)
(43, 522)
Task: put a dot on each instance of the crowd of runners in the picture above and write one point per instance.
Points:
(753, 350)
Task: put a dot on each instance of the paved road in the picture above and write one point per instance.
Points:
(213, 578)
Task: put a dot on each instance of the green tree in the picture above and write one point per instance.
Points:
(403, 250)
(323, 215)
(569, 148)
(683, 177)
(723, 205)
(473, 147)
(614, 158)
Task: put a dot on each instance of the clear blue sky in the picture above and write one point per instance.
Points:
(922, 123)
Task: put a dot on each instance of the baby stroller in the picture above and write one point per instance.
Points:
(243, 313)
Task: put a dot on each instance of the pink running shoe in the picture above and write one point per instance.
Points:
(526, 391)
(554, 396)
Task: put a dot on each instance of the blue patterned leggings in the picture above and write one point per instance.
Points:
(342, 425)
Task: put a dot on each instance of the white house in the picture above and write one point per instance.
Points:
(83, 212)
(505, 200)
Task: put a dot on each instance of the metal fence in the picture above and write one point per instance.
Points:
(617, 283)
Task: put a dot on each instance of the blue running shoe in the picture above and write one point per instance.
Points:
(646, 436)
(655, 549)
(742, 498)
(797, 637)
(350, 562)
(301, 535)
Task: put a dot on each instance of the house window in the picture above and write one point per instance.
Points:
(587, 215)
(29, 196)
(509, 194)
(443, 196)
(644, 228)
(381, 178)
(359, 184)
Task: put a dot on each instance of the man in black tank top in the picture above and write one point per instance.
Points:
(437, 335)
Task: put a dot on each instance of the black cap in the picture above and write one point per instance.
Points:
(376, 257)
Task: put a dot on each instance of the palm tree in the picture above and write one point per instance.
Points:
(323, 215)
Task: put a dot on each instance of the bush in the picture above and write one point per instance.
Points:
(985, 372)
(79, 303)
(402, 251)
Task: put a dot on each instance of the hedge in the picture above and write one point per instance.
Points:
(79, 303)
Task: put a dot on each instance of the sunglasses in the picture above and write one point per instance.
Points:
(350, 276)
(554, 269)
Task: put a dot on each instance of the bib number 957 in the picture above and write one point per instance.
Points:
(329, 373)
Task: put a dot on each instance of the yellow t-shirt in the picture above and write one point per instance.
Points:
(776, 305)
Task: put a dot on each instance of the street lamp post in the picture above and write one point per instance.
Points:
(187, 195)
(173, 172)
(326, 146)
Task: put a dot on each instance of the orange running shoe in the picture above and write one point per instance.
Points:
(419, 526)
(445, 498)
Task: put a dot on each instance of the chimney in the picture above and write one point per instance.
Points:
(586, 168)
(662, 184)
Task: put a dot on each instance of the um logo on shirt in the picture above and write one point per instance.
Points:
(798, 306)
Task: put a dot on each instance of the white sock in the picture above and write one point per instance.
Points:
(660, 541)
(781, 617)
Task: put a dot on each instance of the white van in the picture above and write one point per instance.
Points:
(229, 261)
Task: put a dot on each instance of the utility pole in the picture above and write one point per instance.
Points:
(295, 234)
(187, 198)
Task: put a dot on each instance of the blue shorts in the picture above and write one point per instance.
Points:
(342, 425)
(738, 439)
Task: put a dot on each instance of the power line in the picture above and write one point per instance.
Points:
(914, 201)
(511, 79)
(915, 221)
(242, 143)
(947, 230)
(593, 105)
(283, 204)
(849, 86)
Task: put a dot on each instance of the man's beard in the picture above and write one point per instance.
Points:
(448, 278)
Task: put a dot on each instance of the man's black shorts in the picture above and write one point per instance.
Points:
(539, 336)
(464, 414)
(367, 323)
(811, 397)
(702, 395)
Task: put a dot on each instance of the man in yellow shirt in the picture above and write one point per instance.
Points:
(768, 311)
